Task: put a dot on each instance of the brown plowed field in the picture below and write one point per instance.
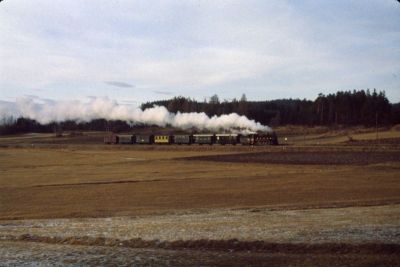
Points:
(307, 157)
(41, 183)
(266, 195)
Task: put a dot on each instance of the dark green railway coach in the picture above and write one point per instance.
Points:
(145, 139)
(182, 139)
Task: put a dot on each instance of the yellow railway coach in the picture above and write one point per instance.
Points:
(163, 139)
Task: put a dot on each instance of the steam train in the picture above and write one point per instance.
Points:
(255, 139)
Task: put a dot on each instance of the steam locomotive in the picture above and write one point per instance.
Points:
(254, 139)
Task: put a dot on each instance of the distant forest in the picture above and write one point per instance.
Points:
(344, 108)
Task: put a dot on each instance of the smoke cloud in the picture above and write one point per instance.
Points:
(105, 108)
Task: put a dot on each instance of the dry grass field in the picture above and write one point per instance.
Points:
(322, 197)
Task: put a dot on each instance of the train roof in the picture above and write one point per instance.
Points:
(227, 134)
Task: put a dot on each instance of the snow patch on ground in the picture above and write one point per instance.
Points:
(378, 224)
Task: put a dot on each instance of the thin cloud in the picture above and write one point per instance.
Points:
(162, 92)
(33, 96)
(120, 84)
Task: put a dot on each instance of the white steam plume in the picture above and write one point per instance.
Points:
(104, 108)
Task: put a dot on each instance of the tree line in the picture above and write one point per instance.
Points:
(347, 108)
(24, 125)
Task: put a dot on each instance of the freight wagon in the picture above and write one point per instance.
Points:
(111, 139)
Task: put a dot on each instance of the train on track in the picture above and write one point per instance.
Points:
(255, 139)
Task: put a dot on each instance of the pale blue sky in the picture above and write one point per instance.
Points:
(134, 51)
